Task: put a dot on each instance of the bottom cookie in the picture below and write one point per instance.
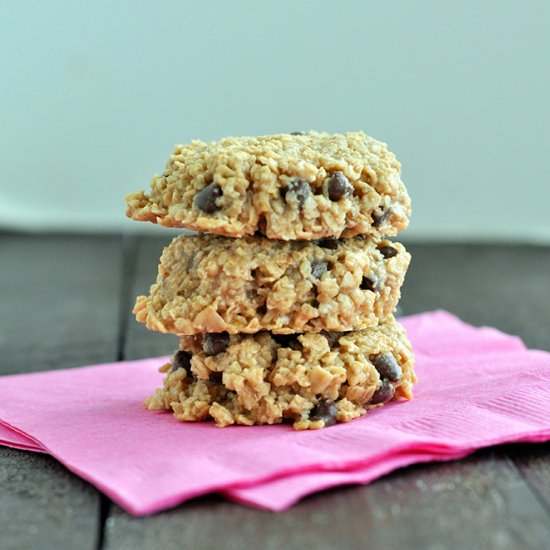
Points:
(312, 380)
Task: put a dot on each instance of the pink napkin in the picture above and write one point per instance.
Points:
(478, 387)
(12, 438)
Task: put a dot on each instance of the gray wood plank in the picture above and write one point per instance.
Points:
(482, 501)
(534, 463)
(60, 309)
(44, 506)
(502, 286)
(60, 301)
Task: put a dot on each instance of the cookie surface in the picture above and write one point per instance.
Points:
(312, 380)
(284, 186)
(215, 284)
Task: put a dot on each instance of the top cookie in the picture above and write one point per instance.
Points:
(289, 187)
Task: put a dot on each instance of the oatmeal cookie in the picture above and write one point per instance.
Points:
(306, 186)
(312, 380)
(208, 283)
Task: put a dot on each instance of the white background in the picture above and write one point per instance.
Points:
(93, 96)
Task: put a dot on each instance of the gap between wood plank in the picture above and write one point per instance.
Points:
(129, 262)
(129, 246)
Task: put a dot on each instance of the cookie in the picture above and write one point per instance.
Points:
(215, 284)
(288, 187)
(312, 380)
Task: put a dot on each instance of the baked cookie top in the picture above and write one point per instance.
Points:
(286, 186)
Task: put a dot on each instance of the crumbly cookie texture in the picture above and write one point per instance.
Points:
(215, 284)
(312, 380)
(305, 186)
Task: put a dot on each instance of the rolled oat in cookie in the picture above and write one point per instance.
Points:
(215, 284)
(312, 380)
(289, 186)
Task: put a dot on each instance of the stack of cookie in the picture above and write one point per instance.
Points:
(283, 302)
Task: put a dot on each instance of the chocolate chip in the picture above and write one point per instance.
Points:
(379, 219)
(388, 251)
(325, 410)
(215, 342)
(315, 303)
(205, 199)
(288, 341)
(300, 188)
(332, 337)
(215, 377)
(297, 133)
(369, 283)
(383, 394)
(331, 244)
(338, 186)
(318, 267)
(182, 360)
(388, 367)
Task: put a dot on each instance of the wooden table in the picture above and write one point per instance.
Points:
(65, 302)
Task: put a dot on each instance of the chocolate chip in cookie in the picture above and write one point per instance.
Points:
(388, 251)
(205, 199)
(298, 187)
(288, 341)
(325, 410)
(182, 360)
(381, 218)
(369, 283)
(331, 244)
(215, 342)
(338, 186)
(388, 367)
(332, 337)
(318, 267)
(383, 394)
(296, 133)
(216, 377)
